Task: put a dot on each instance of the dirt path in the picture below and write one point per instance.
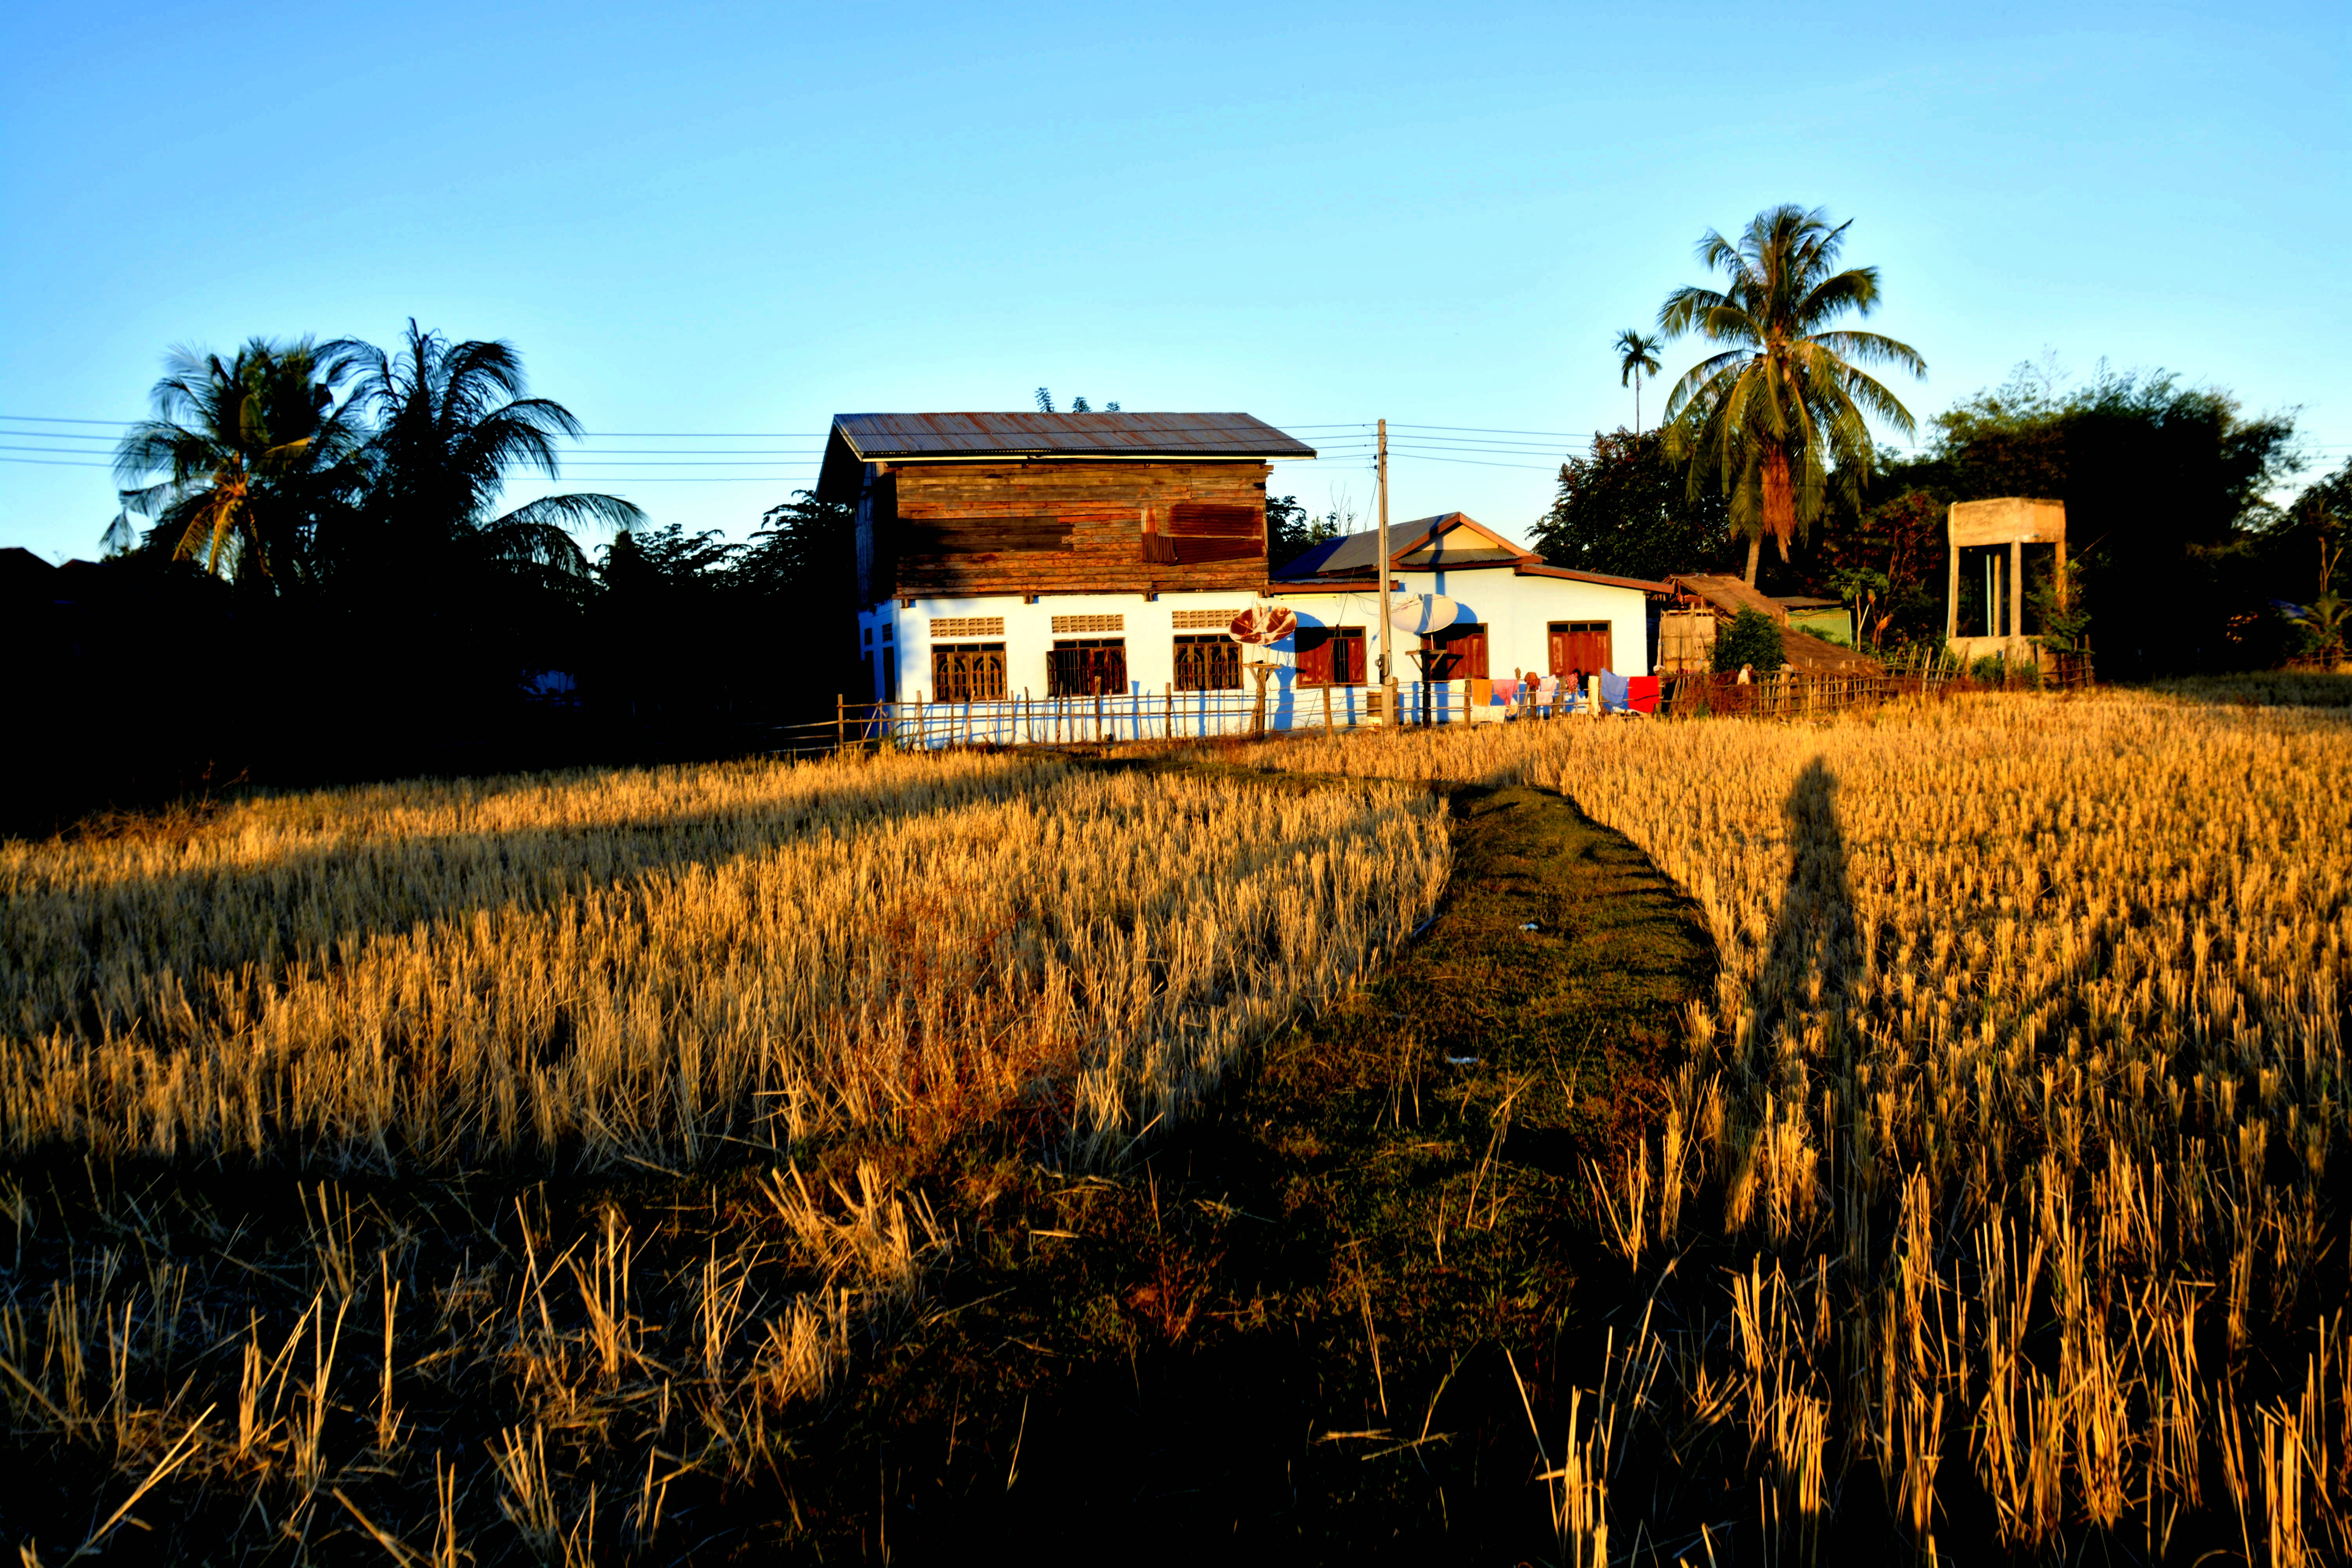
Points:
(1282, 1332)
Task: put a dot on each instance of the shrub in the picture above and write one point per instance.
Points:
(1752, 638)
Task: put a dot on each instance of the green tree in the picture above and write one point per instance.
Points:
(1779, 414)
(1290, 532)
(1624, 509)
(803, 545)
(2178, 547)
(1886, 560)
(2319, 514)
(451, 423)
(1753, 638)
(242, 459)
(1637, 356)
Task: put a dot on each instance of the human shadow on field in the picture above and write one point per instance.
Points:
(1810, 956)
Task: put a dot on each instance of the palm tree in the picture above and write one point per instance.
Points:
(1637, 356)
(1772, 416)
(249, 451)
(451, 421)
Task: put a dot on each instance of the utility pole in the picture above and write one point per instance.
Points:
(1387, 681)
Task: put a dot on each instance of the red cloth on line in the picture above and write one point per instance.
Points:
(1642, 693)
(1507, 692)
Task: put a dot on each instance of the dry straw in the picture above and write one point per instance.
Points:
(645, 969)
(651, 966)
(2014, 1109)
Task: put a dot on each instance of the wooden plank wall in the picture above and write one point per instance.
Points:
(1065, 527)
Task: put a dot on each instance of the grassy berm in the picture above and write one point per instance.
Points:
(1325, 1319)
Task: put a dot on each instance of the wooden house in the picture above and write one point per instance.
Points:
(1703, 601)
(1055, 554)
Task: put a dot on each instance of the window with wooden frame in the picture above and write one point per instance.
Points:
(1208, 664)
(1087, 667)
(1329, 655)
(1205, 532)
(1461, 650)
(1579, 648)
(968, 671)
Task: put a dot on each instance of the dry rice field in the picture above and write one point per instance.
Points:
(2000, 1194)
(1994, 1205)
(647, 966)
(282, 1087)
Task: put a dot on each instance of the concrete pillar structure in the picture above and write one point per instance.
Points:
(2017, 523)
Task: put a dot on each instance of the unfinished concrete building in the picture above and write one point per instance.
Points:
(1990, 541)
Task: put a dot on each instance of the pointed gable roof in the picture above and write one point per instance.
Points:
(1450, 539)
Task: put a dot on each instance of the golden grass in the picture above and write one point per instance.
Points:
(2013, 1113)
(651, 966)
(641, 968)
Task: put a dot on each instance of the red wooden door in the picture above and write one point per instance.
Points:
(1582, 647)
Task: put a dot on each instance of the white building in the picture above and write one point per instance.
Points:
(1010, 562)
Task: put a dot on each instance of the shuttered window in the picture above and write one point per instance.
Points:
(1330, 656)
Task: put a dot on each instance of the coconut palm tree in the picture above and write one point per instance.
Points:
(1782, 408)
(242, 457)
(1637, 356)
(451, 423)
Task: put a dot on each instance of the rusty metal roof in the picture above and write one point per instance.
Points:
(881, 437)
(914, 437)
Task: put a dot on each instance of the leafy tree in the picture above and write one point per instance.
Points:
(803, 544)
(1886, 560)
(1290, 532)
(797, 578)
(2319, 513)
(1637, 356)
(1753, 638)
(1624, 509)
(2166, 488)
(251, 452)
(1780, 413)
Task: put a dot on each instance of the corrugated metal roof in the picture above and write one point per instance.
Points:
(1354, 552)
(886, 437)
(860, 438)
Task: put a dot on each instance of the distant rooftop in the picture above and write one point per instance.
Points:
(914, 437)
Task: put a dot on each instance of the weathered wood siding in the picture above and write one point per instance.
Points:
(950, 530)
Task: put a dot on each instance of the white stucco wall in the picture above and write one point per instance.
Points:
(1148, 626)
(1518, 612)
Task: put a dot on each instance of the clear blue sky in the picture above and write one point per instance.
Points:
(696, 218)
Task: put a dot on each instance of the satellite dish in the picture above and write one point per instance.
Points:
(1423, 614)
(1264, 624)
